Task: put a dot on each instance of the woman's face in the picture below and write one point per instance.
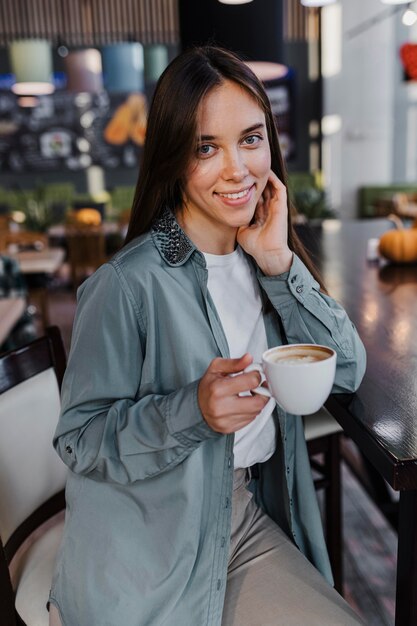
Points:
(229, 170)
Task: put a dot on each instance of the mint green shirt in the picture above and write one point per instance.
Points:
(147, 528)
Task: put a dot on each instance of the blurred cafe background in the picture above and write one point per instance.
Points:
(76, 80)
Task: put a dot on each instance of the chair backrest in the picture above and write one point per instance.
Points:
(5, 220)
(32, 476)
(86, 250)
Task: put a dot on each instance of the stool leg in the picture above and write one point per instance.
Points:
(40, 294)
(333, 512)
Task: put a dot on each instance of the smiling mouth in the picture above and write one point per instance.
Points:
(237, 195)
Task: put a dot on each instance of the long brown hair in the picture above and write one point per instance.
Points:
(172, 130)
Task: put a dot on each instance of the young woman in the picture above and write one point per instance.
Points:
(166, 522)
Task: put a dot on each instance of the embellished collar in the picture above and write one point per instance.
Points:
(171, 241)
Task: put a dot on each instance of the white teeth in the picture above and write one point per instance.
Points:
(235, 196)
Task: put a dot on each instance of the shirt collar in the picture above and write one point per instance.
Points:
(171, 241)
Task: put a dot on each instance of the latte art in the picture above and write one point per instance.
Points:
(296, 359)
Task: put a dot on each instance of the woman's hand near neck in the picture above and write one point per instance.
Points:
(266, 239)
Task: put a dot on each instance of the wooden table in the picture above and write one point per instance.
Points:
(11, 309)
(42, 264)
(58, 231)
(45, 261)
(381, 418)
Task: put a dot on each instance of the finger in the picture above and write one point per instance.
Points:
(230, 366)
(260, 211)
(241, 411)
(246, 407)
(238, 384)
(227, 427)
(277, 187)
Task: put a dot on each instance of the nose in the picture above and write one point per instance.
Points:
(234, 165)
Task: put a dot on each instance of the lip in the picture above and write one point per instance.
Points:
(236, 201)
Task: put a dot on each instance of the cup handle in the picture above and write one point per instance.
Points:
(262, 391)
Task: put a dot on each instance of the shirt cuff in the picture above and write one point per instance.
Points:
(184, 418)
(296, 283)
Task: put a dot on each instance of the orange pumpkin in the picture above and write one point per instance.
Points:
(84, 217)
(399, 246)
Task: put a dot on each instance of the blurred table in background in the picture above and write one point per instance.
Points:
(38, 266)
(58, 231)
(45, 261)
(114, 234)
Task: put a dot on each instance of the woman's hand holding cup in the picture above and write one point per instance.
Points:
(224, 410)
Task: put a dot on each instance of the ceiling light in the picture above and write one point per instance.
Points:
(267, 71)
(409, 18)
(235, 1)
(84, 71)
(395, 1)
(123, 67)
(316, 3)
(31, 63)
(156, 60)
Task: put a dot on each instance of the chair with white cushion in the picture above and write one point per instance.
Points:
(32, 478)
(322, 434)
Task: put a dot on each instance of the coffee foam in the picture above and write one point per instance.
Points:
(298, 355)
(295, 360)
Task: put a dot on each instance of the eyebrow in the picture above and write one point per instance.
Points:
(244, 132)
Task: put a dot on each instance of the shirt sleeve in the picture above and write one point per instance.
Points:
(105, 430)
(310, 316)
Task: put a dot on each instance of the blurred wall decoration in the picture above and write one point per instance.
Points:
(96, 117)
(71, 131)
(123, 67)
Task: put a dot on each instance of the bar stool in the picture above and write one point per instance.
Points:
(322, 434)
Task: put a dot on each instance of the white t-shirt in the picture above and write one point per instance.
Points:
(235, 292)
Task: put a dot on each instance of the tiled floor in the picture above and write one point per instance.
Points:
(370, 544)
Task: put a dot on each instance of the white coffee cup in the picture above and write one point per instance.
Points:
(300, 376)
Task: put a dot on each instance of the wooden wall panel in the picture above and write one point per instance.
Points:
(90, 22)
(300, 23)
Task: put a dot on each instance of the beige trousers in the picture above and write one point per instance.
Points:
(269, 583)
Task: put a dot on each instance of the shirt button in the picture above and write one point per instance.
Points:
(288, 470)
(68, 449)
(219, 584)
(227, 503)
(229, 462)
(299, 289)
